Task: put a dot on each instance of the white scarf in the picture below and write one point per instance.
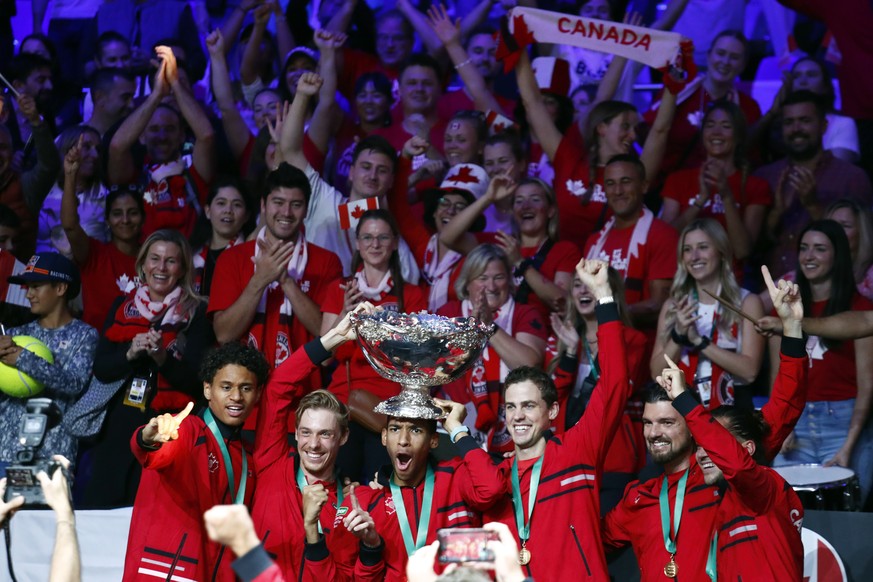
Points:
(651, 47)
(503, 319)
(437, 273)
(377, 292)
(150, 310)
(638, 238)
(199, 258)
(296, 267)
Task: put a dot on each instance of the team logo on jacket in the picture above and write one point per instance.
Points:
(282, 348)
(389, 505)
(212, 463)
(130, 310)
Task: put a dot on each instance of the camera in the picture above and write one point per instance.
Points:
(40, 416)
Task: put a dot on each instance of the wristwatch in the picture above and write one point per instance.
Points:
(704, 343)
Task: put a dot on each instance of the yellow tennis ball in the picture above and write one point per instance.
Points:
(16, 383)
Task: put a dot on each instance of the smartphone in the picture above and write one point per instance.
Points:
(459, 545)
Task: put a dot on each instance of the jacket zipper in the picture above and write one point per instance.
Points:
(579, 547)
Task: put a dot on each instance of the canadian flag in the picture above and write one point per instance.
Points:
(821, 562)
(350, 213)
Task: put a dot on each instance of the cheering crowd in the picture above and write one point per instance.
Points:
(191, 213)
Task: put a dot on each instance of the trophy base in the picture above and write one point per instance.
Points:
(412, 402)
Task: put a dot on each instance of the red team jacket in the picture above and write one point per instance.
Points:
(636, 519)
(278, 508)
(463, 488)
(180, 481)
(760, 516)
(565, 533)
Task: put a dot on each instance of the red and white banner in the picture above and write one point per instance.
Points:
(655, 48)
(350, 214)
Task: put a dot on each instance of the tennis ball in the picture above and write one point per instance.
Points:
(16, 383)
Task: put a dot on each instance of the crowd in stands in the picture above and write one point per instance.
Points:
(195, 196)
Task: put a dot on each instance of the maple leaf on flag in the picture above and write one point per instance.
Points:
(358, 212)
(464, 176)
(498, 127)
(512, 43)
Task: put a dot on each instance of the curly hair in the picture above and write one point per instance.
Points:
(234, 353)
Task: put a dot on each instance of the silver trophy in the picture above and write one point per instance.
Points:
(419, 350)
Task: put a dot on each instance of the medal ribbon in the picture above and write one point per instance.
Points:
(240, 494)
(423, 521)
(664, 502)
(711, 569)
(301, 483)
(524, 528)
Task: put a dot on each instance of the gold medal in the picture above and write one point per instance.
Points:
(524, 556)
(671, 568)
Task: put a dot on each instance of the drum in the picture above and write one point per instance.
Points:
(823, 488)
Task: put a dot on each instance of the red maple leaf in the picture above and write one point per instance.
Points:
(522, 35)
(464, 176)
(498, 127)
(358, 212)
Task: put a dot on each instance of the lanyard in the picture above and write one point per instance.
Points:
(711, 569)
(664, 502)
(524, 528)
(301, 483)
(423, 520)
(240, 494)
(595, 367)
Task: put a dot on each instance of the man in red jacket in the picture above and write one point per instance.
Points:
(681, 539)
(191, 465)
(551, 499)
(756, 534)
(298, 510)
(421, 495)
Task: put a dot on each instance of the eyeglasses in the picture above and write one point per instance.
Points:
(444, 204)
(368, 239)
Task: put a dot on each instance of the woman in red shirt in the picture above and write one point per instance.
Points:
(721, 188)
(832, 429)
(108, 269)
(542, 265)
(485, 292)
(718, 350)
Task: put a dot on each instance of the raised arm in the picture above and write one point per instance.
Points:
(538, 118)
(248, 67)
(456, 234)
(449, 34)
(121, 164)
(284, 39)
(327, 115)
(79, 243)
(37, 182)
(429, 37)
(66, 562)
(291, 135)
(235, 128)
(189, 107)
(234, 23)
(788, 396)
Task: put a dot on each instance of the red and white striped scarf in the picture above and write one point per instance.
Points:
(438, 273)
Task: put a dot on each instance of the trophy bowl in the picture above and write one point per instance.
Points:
(419, 350)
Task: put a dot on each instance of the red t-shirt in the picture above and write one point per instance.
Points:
(832, 372)
(562, 257)
(355, 64)
(658, 256)
(106, 274)
(235, 268)
(683, 186)
(572, 175)
(354, 369)
(684, 149)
